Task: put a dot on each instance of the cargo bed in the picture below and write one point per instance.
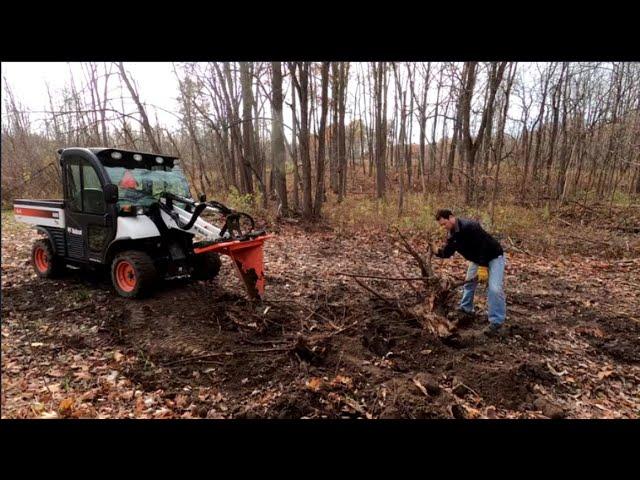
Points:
(48, 213)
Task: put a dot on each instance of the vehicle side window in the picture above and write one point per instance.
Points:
(74, 192)
(92, 196)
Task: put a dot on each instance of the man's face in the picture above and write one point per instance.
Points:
(448, 223)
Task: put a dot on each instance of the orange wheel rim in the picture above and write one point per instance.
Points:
(41, 260)
(125, 276)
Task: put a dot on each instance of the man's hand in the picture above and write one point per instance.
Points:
(434, 247)
(483, 274)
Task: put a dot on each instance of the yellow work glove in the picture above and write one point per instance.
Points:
(483, 274)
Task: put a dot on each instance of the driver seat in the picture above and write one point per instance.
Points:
(128, 181)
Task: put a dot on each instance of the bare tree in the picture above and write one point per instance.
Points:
(277, 137)
(141, 110)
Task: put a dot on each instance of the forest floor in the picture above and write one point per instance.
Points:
(319, 346)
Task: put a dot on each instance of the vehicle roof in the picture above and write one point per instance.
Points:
(106, 150)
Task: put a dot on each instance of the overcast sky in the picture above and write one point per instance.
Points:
(157, 82)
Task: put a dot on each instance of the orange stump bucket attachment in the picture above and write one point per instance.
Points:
(248, 259)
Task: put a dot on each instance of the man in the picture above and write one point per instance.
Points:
(470, 240)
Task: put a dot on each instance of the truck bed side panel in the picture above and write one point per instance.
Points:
(48, 213)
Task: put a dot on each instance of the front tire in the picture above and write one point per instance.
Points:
(44, 261)
(206, 266)
(133, 274)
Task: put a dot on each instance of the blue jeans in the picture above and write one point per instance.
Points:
(495, 295)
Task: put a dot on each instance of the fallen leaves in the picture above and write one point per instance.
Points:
(421, 387)
(65, 407)
(105, 364)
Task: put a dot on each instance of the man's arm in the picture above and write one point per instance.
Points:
(446, 251)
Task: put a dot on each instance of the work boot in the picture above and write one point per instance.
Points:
(493, 330)
(462, 317)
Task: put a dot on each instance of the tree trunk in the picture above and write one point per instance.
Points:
(380, 128)
(277, 138)
(141, 110)
(247, 126)
(317, 207)
(302, 87)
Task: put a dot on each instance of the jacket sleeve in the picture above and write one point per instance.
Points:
(446, 251)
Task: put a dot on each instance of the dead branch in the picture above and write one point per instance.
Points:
(425, 267)
(600, 242)
(518, 249)
(384, 299)
(228, 354)
(380, 278)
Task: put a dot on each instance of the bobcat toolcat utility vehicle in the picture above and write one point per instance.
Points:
(132, 212)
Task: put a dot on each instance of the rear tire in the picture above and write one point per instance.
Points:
(44, 261)
(133, 274)
(206, 266)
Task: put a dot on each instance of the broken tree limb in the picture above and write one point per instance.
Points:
(598, 242)
(425, 267)
(227, 354)
(381, 278)
(381, 297)
(518, 249)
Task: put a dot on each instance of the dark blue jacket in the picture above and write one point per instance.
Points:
(470, 240)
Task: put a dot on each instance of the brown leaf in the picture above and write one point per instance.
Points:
(314, 384)
(341, 380)
(420, 386)
(66, 406)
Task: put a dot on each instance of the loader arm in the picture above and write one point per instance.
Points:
(244, 247)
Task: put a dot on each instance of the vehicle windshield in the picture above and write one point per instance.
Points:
(142, 187)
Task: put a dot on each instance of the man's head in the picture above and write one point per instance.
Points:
(446, 219)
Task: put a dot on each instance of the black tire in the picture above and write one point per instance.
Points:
(45, 263)
(206, 266)
(133, 274)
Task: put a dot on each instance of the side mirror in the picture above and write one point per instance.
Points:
(203, 197)
(110, 193)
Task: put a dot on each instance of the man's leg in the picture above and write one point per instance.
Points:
(469, 289)
(495, 296)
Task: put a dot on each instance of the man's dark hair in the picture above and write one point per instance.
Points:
(444, 213)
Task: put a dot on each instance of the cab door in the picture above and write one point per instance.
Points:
(90, 224)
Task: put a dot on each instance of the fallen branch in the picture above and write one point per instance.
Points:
(565, 222)
(384, 299)
(601, 242)
(467, 387)
(521, 250)
(228, 354)
(381, 278)
(342, 329)
(315, 312)
(462, 283)
(75, 309)
(583, 206)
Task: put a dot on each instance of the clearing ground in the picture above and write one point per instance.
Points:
(320, 346)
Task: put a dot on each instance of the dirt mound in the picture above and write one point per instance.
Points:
(507, 387)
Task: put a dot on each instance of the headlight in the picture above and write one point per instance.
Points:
(159, 160)
(116, 155)
(137, 157)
